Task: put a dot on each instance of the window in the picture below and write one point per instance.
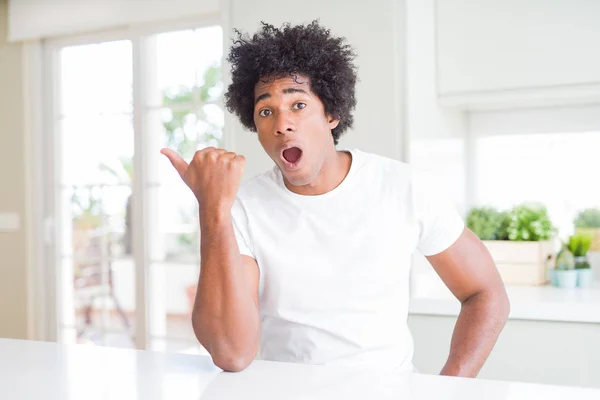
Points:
(502, 170)
(117, 103)
(555, 169)
(504, 158)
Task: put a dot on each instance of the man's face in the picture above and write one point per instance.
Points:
(292, 127)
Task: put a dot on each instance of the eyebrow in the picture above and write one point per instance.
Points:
(285, 91)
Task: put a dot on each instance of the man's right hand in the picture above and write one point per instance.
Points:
(226, 313)
(213, 175)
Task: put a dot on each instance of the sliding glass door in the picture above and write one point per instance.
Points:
(126, 238)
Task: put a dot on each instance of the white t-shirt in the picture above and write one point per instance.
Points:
(334, 268)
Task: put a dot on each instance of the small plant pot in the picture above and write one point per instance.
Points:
(585, 277)
(566, 278)
(581, 262)
(552, 277)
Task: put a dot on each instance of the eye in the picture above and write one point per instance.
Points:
(299, 106)
(264, 112)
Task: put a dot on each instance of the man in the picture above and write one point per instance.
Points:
(309, 262)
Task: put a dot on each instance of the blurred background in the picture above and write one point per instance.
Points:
(99, 239)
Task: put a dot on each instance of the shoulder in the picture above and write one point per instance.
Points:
(397, 177)
(387, 168)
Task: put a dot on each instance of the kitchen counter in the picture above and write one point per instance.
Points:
(35, 370)
(542, 303)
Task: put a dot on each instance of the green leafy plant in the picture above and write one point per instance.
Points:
(588, 218)
(187, 107)
(502, 233)
(525, 222)
(529, 222)
(486, 222)
(579, 244)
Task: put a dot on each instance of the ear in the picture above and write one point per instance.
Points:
(333, 122)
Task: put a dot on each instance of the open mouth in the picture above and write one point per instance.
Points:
(292, 156)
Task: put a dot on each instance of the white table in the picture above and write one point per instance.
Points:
(33, 370)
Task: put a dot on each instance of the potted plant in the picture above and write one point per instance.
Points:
(519, 240)
(579, 245)
(587, 221)
(566, 275)
(487, 223)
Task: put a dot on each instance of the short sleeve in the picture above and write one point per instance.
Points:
(240, 228)
(439, 223)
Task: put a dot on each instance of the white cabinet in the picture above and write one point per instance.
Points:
(518, 47)
(559, 353)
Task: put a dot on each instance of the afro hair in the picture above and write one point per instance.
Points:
(308, 50)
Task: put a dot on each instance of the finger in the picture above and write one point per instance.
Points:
(219, 152)
(209, 152)
(177, 162)
(241, 160)
(227, 155)
(212, 155)
(212, 149)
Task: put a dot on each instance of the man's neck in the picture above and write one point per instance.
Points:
(333, 172)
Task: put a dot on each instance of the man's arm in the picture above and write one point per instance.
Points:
(225, 317)
(468, 270)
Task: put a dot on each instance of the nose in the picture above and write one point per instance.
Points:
(284, 124)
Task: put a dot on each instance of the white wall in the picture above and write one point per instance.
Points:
(527, 351)
(488, 45)
(426, 119)
(375, 33)
(13, 255)
(32, 19)
(437, 134)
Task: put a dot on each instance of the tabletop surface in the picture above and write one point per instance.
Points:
(35, 370)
